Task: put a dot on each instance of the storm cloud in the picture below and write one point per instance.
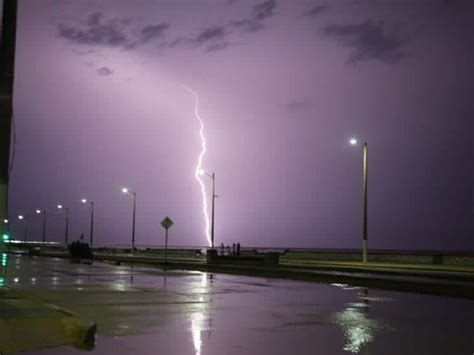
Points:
(316, 10)
(210, 33)
(97, 32)
(368, 41)
(113, 32)
(122, 33)
(151, 32)
(259, 13)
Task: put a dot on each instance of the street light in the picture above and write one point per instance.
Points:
(66, 231)
(43, 212)
(213, 177)
(22, 217)
(128, 192)
(91, 236)
(354, 142)
(7, 224)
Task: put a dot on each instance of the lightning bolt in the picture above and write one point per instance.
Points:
(199, 166)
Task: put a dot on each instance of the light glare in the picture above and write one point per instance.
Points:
(125, 190)
(60, 206)
(21, 217)
(353, 141)
(84, 200)
(38, 211)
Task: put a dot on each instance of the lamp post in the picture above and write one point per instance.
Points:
(132, 193)
(91, 236)
(43, 212)
(66, 231)
(354, 142)
(22, 217)
(213, 177)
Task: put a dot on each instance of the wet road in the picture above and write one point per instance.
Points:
(150, 311)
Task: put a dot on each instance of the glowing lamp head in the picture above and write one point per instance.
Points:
(84, 200)
(20, 217)
(125, 190)
(60, 207)
(38, 211)
(5, 221)
(353, 141)
(201, 172)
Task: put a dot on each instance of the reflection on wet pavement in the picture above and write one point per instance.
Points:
(150, 311)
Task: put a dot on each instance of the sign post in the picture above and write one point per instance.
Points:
(166, 224)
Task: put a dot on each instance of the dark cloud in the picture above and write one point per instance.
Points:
(151, 32)
(104, 71)
(210, 34)
(110, 33)
(316, 10)
(94, 19)
(213, 38)
(114, 32)
(263, 10)
(117, 32)
(260, 12)
(368, 41)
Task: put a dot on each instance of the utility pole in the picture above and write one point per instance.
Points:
(7, 69)
(133, 222)
(213, 207)
(91, 236)
(365, 171)
(44, 228)
(134, 195)
(365, 168)
(66, 231)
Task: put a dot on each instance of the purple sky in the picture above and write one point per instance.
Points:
(282, 86)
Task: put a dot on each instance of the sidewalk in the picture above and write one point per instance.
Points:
(28, 323)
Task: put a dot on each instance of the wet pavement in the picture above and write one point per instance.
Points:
(151, 311)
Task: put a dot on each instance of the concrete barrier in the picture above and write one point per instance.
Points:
(421, 258)
(267, 259)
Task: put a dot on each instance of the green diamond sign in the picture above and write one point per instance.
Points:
(166, 223)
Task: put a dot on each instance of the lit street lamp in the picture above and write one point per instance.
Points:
(127, 191)
(66, 231)
(354, 142)
(6, 222)
(213, 177)
(91, 236)
(44, 224)
(22, 217)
